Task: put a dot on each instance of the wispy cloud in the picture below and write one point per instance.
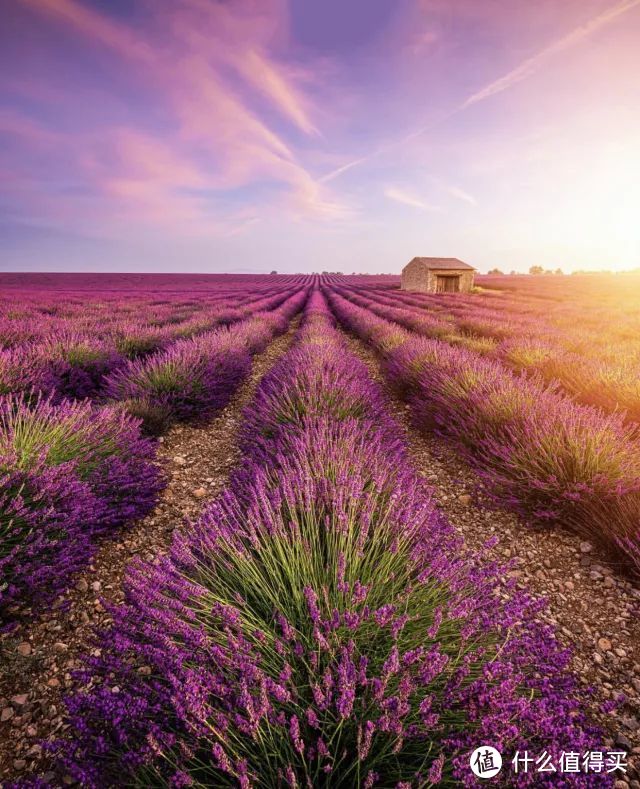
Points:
(348, 166)
(460, 194)
(521, 72)
(401, 196)
(257, 69)
(533, 64)
(18, 125)
(119, 177)
(210, 63)
(96, 26)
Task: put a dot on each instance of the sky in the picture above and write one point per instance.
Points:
(299, 136)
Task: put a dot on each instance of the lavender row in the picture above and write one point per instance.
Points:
(68, 473)
(535, 450)
(318, 625)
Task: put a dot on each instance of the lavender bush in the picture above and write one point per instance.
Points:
(596, 363)
(134, 340)
(66, 347)
(68, 471)
(45, 529)
(190, 379)
(22, 371)
(79, 363)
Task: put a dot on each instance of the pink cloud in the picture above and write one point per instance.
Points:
(238, 35)
(95, 26)
(472, 12)
(257, 69)
(210, 64)
(409, 199)
(531, 65)
(24, 129)
(460, 194)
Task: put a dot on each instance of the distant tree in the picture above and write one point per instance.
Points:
(512, 273)
(496, 272)
(559, 271)
(548, 271)
(536, 270)
(274, 272)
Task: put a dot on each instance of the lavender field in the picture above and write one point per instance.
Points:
(303, 531)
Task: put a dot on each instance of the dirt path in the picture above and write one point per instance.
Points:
(594, 611)
(36, 661)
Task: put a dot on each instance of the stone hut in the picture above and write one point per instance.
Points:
(437, 275)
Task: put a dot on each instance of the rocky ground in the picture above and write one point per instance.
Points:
(594, 610)
(37, 659)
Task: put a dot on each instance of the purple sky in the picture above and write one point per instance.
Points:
(250, 135)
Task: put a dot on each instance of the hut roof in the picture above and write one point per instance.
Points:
(443, 263)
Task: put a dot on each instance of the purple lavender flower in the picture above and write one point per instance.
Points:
(67, 472)
(252, 669)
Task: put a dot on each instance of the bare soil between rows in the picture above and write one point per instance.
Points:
(37, 659)
(594, 610)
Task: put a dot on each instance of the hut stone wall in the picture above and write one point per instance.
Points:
(417, 276)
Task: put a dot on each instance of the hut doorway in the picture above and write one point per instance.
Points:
(448, 284)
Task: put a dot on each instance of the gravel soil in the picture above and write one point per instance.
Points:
(36, 659)
(594, 610)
